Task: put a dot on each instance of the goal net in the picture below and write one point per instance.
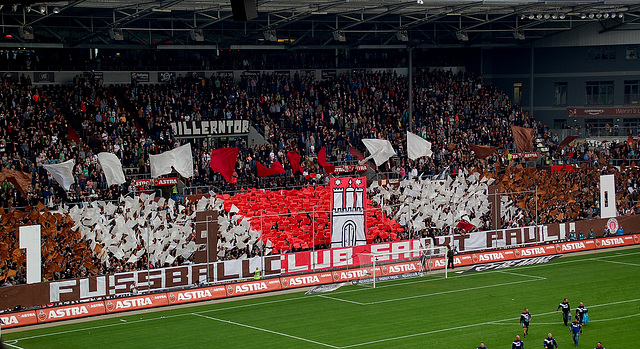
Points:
(369, 268)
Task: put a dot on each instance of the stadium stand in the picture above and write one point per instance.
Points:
(54, 123)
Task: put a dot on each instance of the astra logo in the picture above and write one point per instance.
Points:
(194, 295)
(66, 312)
(487, 257)
(402, 268)
(136, 302)
(532, 251)
(251, 287)
(304, 280)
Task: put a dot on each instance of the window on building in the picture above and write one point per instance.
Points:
(602, 53)
(517, 93)
(632, 91)
(599, 93)
(560, 94)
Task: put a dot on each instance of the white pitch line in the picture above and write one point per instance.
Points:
(341, 300)
(495, 322)
(265, 330)
(518, 274)
(13, 345)
(452, 291)
(625, 263)
(615, 318)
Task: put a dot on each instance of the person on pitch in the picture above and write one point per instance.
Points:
(566, 311)
(599, 346)
(482, 346)
(576, 330)
(525, 317)
(582, 314)
(517, 344)
(550, 342)
(450, 254)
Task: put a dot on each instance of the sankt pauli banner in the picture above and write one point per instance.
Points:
(143, 301)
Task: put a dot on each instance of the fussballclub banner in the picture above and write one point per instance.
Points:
(347, 211)
(309, 261)
(157, 279)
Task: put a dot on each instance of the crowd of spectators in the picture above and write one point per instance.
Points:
(301, 113)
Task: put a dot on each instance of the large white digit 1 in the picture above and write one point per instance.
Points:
(30, 240)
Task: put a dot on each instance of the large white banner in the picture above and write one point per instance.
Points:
(607, 196)
(347, 211)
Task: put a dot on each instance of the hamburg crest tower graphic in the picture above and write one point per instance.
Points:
(347, 211)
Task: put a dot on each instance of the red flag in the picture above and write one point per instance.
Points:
(322, 160)
(294, 160)
(276, 168)
(465, 226)
(223, 161)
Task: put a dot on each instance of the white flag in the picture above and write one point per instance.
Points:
(180, 158)
(62, 173)
(380, 149)
(183, 160)
(417, 146)
(112, 168)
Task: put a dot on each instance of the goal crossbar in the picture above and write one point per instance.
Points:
(386, 264)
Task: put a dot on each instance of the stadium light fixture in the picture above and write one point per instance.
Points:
(554, 16)
(599, 15)
(197, 35)
(26, 32)
(338, 35)
(402, 35)
(518, 35)
(539, 16)
(56, 10)
(562, 16)
(14, 7)
(116, 34)
(43, 9)
(605, 15)
(270, 35)
(531, 16)
(546, 16)
(462, 35)
(591, 15)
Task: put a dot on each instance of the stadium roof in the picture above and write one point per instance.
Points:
(303, 24)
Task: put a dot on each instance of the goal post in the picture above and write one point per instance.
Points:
(369, 268)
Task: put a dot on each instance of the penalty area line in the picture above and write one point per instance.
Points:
(452, 291)
(265, 330)
(624, 263)
(342, 300)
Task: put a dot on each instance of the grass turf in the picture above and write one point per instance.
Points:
(426, 312)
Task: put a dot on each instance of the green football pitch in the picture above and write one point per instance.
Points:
(424, 312)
